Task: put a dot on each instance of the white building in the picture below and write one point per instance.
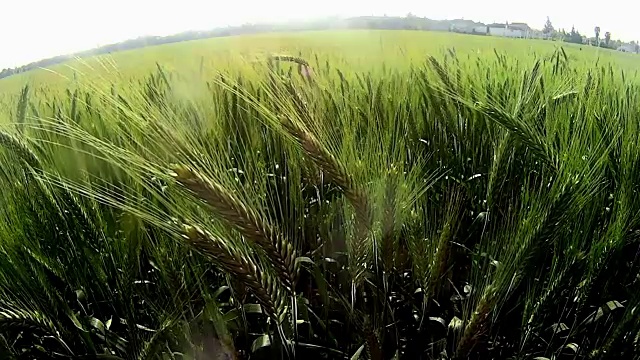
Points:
(514, 30)
(469, 29)
(630, 48)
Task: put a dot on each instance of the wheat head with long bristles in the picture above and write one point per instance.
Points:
(338, 175)
(246, 221)
(261, 284)
(11, 143)
(477, 325)
(336, 172)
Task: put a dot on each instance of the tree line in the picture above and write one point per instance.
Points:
(574, 36)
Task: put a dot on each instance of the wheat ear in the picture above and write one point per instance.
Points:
(11, 143)
(261, 284)
(13, 319)
(290, 58)
(245, 220)
(336, 173)
(16, 319)
(477, 326)
(389, 224)
(441, 261)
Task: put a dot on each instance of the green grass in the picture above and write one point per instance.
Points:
(479, 203)
(361, 50)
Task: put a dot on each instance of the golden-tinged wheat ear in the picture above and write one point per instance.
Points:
(244, 219)
(261, 284)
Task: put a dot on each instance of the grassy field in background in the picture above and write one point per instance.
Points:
(417, 196)
(359, 50)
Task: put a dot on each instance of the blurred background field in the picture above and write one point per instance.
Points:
(357, 50)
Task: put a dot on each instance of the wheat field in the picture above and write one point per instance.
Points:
(370, 195)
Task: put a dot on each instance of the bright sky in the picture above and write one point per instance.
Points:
(34, 29)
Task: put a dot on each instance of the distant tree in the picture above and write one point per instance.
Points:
(573, 37)
(7, 72)
(597, 31)
(614, 44)
(607, 38)
(548, 28)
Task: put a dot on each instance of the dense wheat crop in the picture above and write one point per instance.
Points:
(454, 203)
